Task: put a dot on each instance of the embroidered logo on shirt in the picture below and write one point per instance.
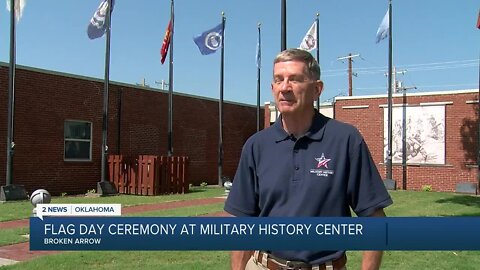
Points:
(322, 162)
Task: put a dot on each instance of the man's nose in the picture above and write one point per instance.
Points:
(285, 86)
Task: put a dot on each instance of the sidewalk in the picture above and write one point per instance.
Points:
(21, 252)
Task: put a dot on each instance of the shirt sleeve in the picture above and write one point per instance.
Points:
(243, 197)
(366, 190)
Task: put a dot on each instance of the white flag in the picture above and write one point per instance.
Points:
(310, 40)
(382, 31)
(97, 25)
(19, 5)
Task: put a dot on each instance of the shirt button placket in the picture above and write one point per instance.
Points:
(296, 166)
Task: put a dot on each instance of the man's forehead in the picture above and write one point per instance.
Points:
(289, 66)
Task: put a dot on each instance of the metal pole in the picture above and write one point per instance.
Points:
(11, 98)
(105, 96)
(284, 25)
(404, 141)
(318, 53)
(220, 108)
(170, 85)
(258, 78)
(389, 134)
(350, 80)
(478, 131)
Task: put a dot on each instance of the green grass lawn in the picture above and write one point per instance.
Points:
(406, 203)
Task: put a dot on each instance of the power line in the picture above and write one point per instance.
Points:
(411, 67)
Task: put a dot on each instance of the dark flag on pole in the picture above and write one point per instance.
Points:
(97, 26)
(478, 20)
(166, 42)
(210, 41)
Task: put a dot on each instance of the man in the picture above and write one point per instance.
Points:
(304, 165)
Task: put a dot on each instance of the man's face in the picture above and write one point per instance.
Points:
(293, 90)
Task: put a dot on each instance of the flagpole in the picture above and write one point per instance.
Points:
(284, 25)
(390, 64)
(11, 96)
(258, 75)
(220, 106)
(11, 191)
(478, 131)
(170, 84)
(104, 186)
(318, 53)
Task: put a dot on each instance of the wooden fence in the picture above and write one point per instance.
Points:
(148, 175)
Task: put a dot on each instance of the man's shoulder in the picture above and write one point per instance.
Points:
(339, 128)
(262, 136)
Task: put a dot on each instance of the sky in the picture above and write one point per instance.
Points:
(435, 42)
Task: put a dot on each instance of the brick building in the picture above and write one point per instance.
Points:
(441, 135)
(56, 113)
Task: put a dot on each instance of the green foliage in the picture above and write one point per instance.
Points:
(204, 184)
(91, 191)
(427, 188)
(63, 194)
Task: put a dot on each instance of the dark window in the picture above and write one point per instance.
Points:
(78, 140)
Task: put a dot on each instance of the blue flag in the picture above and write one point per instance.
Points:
(97, 26)
(382, 31)
(258, 56)
(210, 41)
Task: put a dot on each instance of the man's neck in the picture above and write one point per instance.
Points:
(298, 124)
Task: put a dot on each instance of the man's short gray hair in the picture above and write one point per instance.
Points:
(312, 67)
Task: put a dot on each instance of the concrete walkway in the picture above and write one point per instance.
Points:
(21, 252)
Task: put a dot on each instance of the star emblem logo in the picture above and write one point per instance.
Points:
(322, 161)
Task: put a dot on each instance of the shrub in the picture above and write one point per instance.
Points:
(427, 188)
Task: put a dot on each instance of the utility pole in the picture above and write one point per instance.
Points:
(350, 72)
(399, 88)
(143, 83)
(162, 84)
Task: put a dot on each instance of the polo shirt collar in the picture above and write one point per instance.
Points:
(315, 132)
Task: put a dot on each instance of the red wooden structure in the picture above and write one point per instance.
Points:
(148, 175)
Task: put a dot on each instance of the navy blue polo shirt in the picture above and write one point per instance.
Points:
(323, 173)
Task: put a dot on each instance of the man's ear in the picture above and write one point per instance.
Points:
(319, 87)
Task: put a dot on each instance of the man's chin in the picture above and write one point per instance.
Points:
(286, 110)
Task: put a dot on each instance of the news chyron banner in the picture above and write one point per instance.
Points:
(99, 227)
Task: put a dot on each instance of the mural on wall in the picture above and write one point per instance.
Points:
(425, 134)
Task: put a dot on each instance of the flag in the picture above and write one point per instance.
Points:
(210, 41)
(19, 5)
(97, 26)
(478, 20)
(309, 42)
(382, 31)
(166, 42)
(258, 56)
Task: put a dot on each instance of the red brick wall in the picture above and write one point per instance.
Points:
(44, 100)
(461, 126)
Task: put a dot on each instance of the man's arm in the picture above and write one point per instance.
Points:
(372, 259)
(239, 259)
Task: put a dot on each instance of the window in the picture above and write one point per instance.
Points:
(78, 140)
